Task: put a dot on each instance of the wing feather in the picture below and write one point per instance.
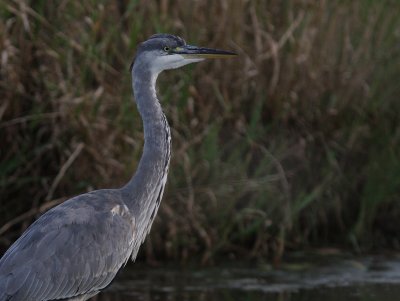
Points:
(74, 249)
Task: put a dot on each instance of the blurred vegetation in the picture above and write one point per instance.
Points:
(294, 144)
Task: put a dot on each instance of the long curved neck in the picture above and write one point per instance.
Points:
(144, 191)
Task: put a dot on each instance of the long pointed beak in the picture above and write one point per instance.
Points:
(190, 52)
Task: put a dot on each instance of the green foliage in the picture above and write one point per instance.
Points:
(295, 143)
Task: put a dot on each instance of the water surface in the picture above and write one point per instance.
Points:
(344, 279)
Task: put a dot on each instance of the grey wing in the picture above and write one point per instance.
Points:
(72, 258)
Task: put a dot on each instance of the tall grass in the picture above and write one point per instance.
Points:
(294, 144)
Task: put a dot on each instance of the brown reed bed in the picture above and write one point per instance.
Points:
(295, 144)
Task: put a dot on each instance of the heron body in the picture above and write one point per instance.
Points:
(74, 250)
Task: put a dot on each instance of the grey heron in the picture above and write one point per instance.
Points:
(75, 249)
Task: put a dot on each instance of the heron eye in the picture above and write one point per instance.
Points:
(166, 48)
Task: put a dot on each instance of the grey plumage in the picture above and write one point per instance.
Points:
(75, 249)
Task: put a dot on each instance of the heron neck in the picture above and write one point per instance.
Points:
(145, 189)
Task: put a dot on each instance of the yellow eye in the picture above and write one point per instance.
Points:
(166, 48)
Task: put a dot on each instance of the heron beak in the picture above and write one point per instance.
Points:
(193, 52)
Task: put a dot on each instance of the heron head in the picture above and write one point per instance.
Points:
(165, 51)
